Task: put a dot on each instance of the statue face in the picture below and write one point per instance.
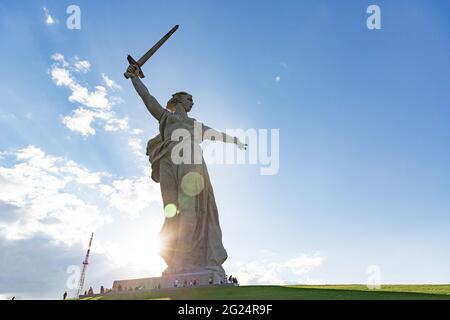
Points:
(187, 102)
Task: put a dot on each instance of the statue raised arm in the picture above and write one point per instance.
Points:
(153, 106)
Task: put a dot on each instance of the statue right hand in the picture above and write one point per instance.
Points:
(132, 71)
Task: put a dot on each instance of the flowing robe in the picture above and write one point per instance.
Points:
(191, 238)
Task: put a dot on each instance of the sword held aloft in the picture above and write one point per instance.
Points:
(149, 53)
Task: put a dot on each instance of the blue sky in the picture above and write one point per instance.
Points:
(364, 137)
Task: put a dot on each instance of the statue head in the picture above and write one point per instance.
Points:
(182, 99)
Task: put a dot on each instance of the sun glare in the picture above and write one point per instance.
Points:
(144, 254)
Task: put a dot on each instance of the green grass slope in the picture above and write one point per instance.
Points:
(328, 292)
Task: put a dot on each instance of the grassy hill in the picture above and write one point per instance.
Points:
(327, 292)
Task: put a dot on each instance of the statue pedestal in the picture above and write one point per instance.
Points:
(166, 281)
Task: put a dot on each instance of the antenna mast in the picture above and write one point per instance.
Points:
(83, 272)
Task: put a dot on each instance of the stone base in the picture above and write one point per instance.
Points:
(167, 281)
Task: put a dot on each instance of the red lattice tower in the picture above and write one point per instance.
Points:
(83, 272)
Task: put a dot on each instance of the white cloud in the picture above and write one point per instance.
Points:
(105, 189)
(48, 18)
(95, 106)
(49, 205)
(137, 131)
(82, 65)
(132, 196)
(60, 58)
(136, 145)
(61, 77)
(97, 99)
(82, 175)
(304, 263)
(81, 121)
(115, 124)
(36, 189)
(110, 83)
(271, 271)
(47, 194)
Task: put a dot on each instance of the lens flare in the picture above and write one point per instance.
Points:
(170, 210)
(192, 184)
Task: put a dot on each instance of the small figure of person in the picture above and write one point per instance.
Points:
(65, 295)
(210, 280)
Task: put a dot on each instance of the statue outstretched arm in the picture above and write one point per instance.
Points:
(214, 135)
(153, 106)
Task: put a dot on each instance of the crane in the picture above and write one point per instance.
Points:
(83, 272)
